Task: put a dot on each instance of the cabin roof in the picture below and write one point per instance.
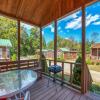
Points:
(5, 43)
(65, 49)
(96, 45)
(40, 12)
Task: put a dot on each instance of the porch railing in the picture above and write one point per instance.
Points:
(12, 65)
(66, 76)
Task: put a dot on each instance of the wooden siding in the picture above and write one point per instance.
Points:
(4, 53)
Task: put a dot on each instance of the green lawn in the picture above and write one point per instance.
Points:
(94, 67)
(95, 87)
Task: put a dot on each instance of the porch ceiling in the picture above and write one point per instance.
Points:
(39, 12)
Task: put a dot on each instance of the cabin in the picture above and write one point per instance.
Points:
(5, 46)
(48, 53)
(95, 52)
(66, 53)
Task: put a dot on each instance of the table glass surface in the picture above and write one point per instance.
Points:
(15, 80)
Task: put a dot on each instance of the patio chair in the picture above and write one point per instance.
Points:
(22, 96)
(55, 69)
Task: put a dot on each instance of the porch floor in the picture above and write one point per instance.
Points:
(41, 91)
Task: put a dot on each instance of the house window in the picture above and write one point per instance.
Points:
(0, 52)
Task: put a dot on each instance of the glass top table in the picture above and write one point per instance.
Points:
(13, 82)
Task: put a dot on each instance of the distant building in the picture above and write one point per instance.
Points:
(95, 52)
(64, 53)
(48, 53)
(5, 45)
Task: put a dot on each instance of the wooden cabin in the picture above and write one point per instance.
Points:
(95, 52)
(48, 53)
(66, 53)
(5, 46)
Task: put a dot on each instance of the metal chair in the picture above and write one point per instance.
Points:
(54, 69)
(22, 96)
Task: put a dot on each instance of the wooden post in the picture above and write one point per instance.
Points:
(40, 43)
(71, 73)
(19, 76)
(83, 78)
(97, 54)
(62, 73)
(41, 51)
(49, 62)
(18, 54)
(55, 42)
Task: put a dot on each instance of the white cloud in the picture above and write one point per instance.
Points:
(26, 26)
(74, 15)
(76, 23)
(51, 28)
(91, 19)
(42, 32)
(68, 38)
(97, 23)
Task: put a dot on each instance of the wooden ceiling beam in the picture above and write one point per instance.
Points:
(40, 13)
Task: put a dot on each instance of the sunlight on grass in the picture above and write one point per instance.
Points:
(94, 67)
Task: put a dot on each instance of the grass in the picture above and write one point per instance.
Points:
(94, 67)
(95, 88)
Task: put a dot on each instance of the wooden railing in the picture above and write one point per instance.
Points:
(33, 63)
(68, 72)
(66, 76)
(12, 65)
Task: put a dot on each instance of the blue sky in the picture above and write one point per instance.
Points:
(70, 26)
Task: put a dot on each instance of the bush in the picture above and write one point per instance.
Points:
(88, 61)
(44, 64)
(14, 57)
(98, 63)
(95, 88)
(77, 72)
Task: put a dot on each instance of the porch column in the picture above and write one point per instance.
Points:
(40, 43)
(83, 78)
(55, 42)
(18, 54)
(97, 54)
(41, 50)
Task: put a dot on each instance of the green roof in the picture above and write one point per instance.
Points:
(64, 49)
(44, 50)
(5, 43)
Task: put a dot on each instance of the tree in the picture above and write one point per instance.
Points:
(44, 43)
(29, 42)
(8, 30)
(77, 72)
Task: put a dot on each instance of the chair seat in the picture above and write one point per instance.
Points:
(55, 69)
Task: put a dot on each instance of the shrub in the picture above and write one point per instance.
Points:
(98, 63)
(14, 57)
(77, 72)
(88, 61)
(44, 64)
(95, 88)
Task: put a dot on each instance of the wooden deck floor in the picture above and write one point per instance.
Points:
(41, 91)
